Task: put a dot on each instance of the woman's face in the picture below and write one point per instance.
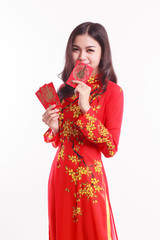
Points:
(88, 51)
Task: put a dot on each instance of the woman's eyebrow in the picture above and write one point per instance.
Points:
(86, 47)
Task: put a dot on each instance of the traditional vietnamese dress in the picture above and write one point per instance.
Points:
(78, 197)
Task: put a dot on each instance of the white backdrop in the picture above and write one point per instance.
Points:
(33, 37)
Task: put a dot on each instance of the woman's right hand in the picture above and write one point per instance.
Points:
(50, 118)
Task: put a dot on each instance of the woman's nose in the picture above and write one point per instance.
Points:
(82, 56)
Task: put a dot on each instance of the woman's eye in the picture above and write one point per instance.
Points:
(90, 50)
(75, 49)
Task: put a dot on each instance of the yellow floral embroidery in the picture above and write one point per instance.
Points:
(90, 118)
(67, 189)
(76, 148)
(68, 130)
(76, 211)
(50, 136)
(111, 153)
(61, 153)
(102, 130)
(94, 180)
(92, 80)
(80, 124)
(77, 175)
(99, 140)
(103, 133)
(76, 132)
(61, 116)
(73, 107)
(80, 142)
(98, 166)
(90, 134)
(90, 126)
(74, 159)
(96, 108)
(89, 190)
(74, 97)
(76, 110)
(83, 170)
(60, 156)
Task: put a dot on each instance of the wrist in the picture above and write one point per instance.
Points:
(54, 131)
(86, 109)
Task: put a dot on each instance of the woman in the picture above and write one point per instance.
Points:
(88, 123)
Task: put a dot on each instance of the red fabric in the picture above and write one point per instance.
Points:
(78, 197)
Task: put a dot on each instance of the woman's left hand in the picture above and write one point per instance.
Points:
(84, 92)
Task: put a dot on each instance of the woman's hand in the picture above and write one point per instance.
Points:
(50, 118)
(84, 92)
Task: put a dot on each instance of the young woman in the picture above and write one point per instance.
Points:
(88, 123)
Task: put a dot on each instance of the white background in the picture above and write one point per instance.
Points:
(33, 37)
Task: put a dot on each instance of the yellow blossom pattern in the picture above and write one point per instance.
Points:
(60, 156)
(74, 97)
(74, 159)
(96, 108)
(77, 175)
(98, 167)
(76, 211)
(96, 131)
(76, 110)
(69, 130)
(90, 188)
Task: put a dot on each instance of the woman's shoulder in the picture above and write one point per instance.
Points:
(113, 88)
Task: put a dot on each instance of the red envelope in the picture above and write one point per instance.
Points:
(81, 72)
(53, 95)
(42, 88)
(47, 95)
(40, 97)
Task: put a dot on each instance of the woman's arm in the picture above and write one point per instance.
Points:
(105, 136)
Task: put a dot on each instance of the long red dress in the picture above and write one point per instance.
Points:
(78, 198)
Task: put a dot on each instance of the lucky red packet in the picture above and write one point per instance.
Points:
(47, 95)
(81, 72)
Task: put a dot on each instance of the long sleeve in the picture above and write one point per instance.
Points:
(49, 137)
(105, 136)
